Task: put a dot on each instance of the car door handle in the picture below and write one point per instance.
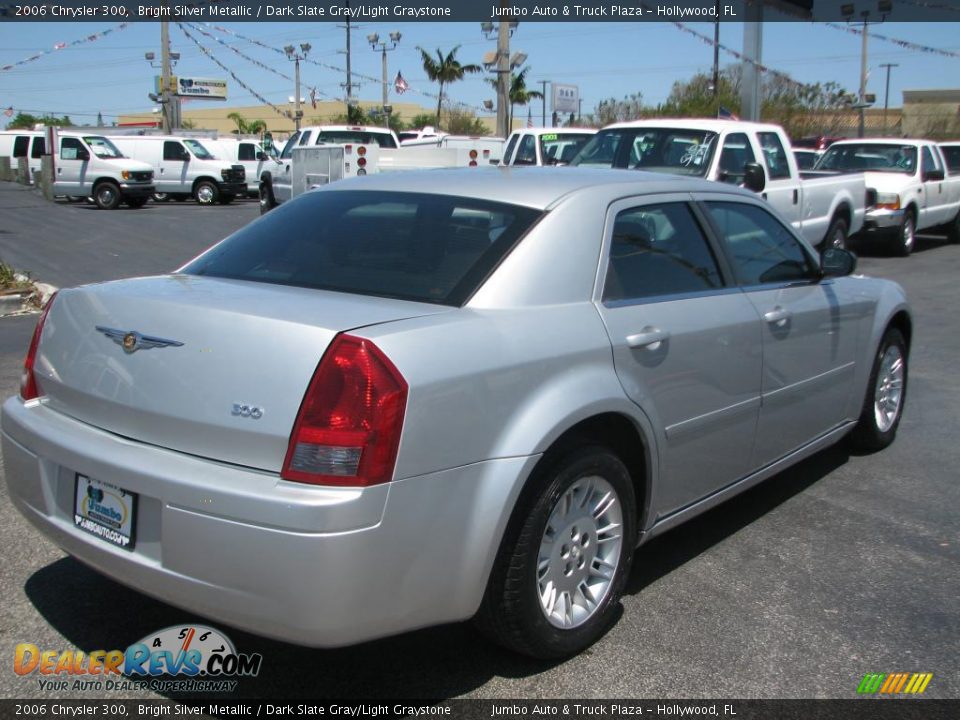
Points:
(649, 338)
(778, 316)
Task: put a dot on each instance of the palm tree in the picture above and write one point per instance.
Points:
(518, 92)
(445, 69)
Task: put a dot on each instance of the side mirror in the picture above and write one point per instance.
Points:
(837, 262)
(934, 175)
(83, 154)
(753, 177)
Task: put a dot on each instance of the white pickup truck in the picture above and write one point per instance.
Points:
(824, 208)
(544, 145)
(914, 186)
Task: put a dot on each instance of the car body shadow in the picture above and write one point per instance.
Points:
(95, 613)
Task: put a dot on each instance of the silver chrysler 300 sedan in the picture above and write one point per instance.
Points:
(411, 399)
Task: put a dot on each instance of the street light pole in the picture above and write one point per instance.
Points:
(847, 10)
(296, 57)
(543, 101)
(376, 42)
(886, 94)
(165, 76)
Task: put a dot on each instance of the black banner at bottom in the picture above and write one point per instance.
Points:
(859, 709)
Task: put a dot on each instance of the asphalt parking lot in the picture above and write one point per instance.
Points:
(840, 566)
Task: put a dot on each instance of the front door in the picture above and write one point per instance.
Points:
(686, 345)
(173, 168)
(809, 328)
(72, 167)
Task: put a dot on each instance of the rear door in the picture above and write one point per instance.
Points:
(809, 327)
(686, 344)
(783, 189)
(936, 197)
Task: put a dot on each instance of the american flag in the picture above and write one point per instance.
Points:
(400, 85)
(724, 114)
(313, 97)
(529, 118)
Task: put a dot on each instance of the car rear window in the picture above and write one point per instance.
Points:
(412, 246)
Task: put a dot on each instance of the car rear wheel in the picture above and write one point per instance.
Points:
(161, 197)
(106, 195)
(206, 193)
(886, 393)
(836, 236)
(953, 230)
(557, 580)
(906, 235)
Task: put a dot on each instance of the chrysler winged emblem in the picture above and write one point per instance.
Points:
(131, 340)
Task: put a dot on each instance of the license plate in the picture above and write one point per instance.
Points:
(105, 510)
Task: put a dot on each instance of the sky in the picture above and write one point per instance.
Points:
(111, 76)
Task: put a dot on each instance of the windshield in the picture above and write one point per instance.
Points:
(561, 147)
(677, 151)
(413, 246)
(870, 157)
(360, 137)
(102, 147)
(199, 150)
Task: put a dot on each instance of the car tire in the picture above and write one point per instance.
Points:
(885, 396)
(953, 230)
(206, 193)
(137, 202)
(564, 560)
(161, 197)
(906, 235)
(267, 201)
(837, 235)
(107, 196)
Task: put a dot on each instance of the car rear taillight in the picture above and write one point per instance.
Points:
(28, 383)
(348, 428)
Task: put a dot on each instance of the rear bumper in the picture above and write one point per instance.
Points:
(315, 566)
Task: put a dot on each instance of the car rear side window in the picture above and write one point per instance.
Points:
(658, 250)
(952, 155)
(20, 144)
(246, 151)
(412, 246)
(39, 147)
(760, 247)
(775, 156)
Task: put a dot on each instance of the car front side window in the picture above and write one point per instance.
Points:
(761, 248)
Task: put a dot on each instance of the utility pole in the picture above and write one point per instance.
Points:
(503, 79)
(376, 42)
(166, 98)
(543, 101)
(886, 95)
(883, 8)
(716, 51)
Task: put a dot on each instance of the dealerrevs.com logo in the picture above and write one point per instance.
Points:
(894, 683)
(181, 658)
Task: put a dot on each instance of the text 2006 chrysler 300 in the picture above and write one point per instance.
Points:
(418, 398)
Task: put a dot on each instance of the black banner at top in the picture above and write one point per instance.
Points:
(480, 10)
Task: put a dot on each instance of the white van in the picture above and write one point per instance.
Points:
(246, 152)
(183, 167)
(16, 144)
(85, 165)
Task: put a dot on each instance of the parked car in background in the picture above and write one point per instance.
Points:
(466, 393)
(427, 135)
(545, 146)
(914, 190)
(806, 159)
(85, 165)
(825, 209)
(184, 168)
(243, 151)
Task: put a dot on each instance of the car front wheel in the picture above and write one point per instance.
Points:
(107, 196)
(206, 193)
(906, 235)
(563, 564)
(886, 393)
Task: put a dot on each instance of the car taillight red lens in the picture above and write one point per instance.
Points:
(348, 429)
(28, 383)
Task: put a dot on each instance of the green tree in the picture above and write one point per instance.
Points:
(518, 92)
(445, 69)
(26, 121)
(421, 120)
(464, 122)
(612, 110)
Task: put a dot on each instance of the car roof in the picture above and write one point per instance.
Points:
(536, 187)
(712, 124)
